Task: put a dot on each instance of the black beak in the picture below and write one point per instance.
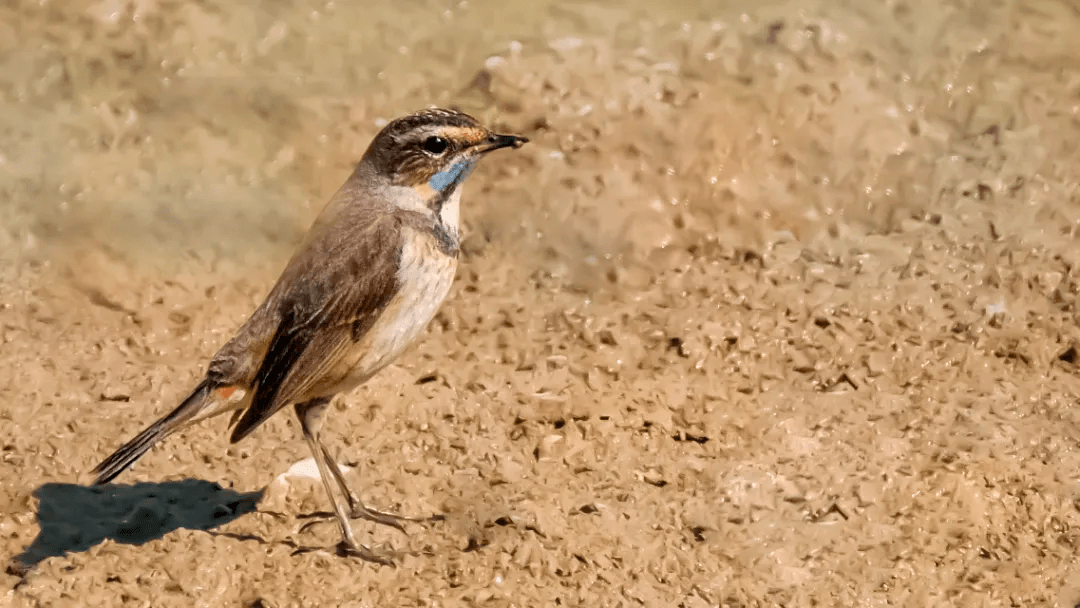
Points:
(495, 141)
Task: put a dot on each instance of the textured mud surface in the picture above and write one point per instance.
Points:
(777, 308)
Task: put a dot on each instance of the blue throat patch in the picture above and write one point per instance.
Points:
(454, 174)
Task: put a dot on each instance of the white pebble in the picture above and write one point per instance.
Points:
(307, 468)
(996, 308)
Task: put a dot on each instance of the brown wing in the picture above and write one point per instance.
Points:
(333, 293)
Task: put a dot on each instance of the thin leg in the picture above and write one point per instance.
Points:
(310, 414)
(360, 511)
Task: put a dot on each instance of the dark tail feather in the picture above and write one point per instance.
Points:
(134, 449)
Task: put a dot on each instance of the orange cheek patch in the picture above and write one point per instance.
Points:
(425, 191)
(226, 392)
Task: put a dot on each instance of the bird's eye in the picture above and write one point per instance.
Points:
(435, 145)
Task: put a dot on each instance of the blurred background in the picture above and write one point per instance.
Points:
(792, 285)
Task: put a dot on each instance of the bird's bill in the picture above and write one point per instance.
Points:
(496, 141)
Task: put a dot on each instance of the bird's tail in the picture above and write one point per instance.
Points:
(141, 443)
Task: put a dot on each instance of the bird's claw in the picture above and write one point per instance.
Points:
(347, 549)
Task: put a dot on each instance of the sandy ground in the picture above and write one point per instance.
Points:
(777, 308)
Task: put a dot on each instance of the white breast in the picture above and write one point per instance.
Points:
(425, 276)
(451, 209)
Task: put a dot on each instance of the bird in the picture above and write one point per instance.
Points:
(361, 287)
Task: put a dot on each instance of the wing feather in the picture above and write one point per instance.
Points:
(338, 292)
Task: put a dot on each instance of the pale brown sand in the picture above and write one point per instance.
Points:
(777, 308)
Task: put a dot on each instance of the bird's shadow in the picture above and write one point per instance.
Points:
(74, 518)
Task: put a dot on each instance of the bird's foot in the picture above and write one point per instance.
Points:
(359, 511)
(353, 549)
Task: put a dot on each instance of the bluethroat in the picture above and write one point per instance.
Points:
(369, 276)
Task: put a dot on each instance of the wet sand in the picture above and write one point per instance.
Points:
(778, 307)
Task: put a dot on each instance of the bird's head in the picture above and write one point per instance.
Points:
(433, 151)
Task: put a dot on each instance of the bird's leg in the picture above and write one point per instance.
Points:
(310, 415)
(360, 511)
